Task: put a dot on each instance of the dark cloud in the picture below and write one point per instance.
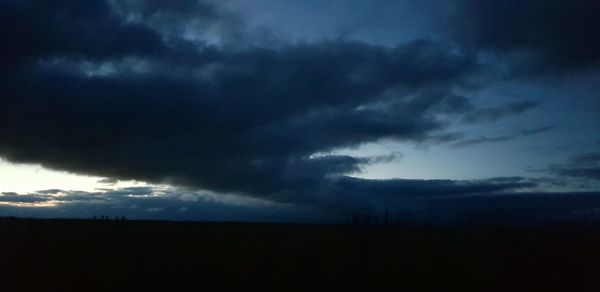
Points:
(541, 35)
(498, 200)
(151, 8)
(152, 203)
(394, 156)
(378, 194)
(454, 104)
(108, 181)
(585, 166)
(591, 172)
(33, 30)
(195, 20)
(50, 191)
(586, 158)
(337, 199)
(534, 131)
(482, 140)
(483, 202)
(519, 209)
(180, 93)
(16, 198)
(496, 113)
(459, 140)
(90, 91)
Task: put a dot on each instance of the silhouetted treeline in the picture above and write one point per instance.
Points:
(107, 218)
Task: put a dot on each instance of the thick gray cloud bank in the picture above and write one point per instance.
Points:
(507, 208)
(540, 36)
(140, 90)
(581, 166)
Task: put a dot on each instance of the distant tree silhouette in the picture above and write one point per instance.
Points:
(364, 219)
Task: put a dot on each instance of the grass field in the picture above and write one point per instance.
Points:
(89, 255)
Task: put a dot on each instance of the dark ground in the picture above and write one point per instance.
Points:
(87, 255)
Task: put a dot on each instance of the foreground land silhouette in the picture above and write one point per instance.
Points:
(95, 255)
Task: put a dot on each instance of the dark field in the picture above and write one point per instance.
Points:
(125, 255)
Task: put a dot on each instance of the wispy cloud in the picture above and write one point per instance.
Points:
(496, 113)
(459, 141)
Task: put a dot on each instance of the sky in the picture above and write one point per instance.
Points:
(438, 112)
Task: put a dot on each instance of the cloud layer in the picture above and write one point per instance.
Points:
(538, 36)
(182, 93)
(90, 91)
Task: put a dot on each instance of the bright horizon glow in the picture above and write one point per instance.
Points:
(28, 178)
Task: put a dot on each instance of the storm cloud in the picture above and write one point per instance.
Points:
(90, 92)
(184, 93)
(496, 113)
(459, 140)
(538, 36)
(455, 202)
(585, 166)
(339, 198)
